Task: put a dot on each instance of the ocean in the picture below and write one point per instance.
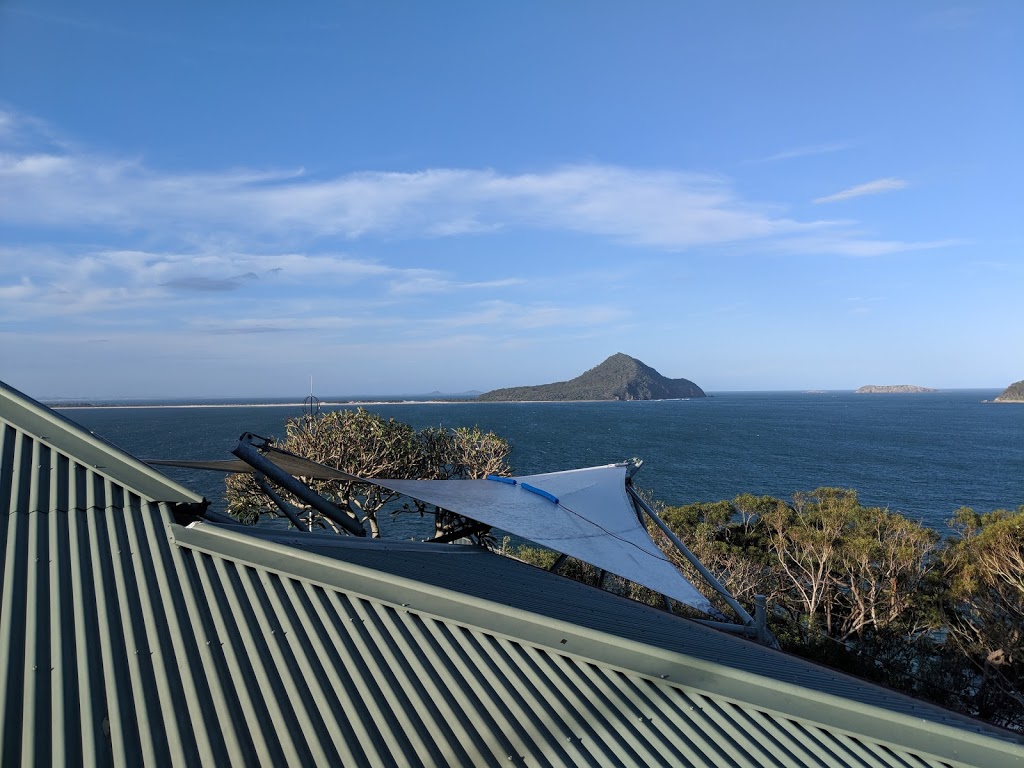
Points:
(923, 455)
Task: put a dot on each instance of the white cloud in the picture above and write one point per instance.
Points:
(664, 209)
(33, 165)
(461, 227)
(243, 238)
(807, 151)
(418, 282)
(860, 247)
(29, 134)
(875, 187)
(150, 268)
(17, 291)
(64, 189)
(298, 291)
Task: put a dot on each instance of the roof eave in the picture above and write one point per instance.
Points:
(67, 437)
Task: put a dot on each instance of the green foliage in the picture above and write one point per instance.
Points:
(542, 557)
(867, 591)
(367, 445)
(1013, 393)
(983, 607)
(728, 539)
(538, 556)
(847, 567)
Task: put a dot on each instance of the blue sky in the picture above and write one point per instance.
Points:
(224, 199)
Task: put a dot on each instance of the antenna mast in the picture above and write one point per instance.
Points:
(311, 405)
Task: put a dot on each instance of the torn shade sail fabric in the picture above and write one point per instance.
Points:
(593, 520)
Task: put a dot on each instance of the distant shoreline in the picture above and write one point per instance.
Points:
(79, 405)
(335, 403)
(100, 406)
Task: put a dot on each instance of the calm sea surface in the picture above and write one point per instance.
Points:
(921, 454)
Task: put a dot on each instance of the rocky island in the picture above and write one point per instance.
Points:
(1012, 394)
(620, 377)
(875, 389)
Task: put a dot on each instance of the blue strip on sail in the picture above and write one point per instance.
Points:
(509, 480)
(540, 492)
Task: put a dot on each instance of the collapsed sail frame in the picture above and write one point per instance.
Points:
(591, 514)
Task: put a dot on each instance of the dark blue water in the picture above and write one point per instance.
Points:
(920, 454)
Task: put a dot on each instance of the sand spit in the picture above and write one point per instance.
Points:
(322, 404)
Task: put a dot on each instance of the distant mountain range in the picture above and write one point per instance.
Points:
(620, 377)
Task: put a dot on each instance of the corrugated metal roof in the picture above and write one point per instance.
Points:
(91, 456)
(129, 639)
(476, 573)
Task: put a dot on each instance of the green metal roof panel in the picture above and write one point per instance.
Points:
(474, 588)
(127, 639)
(121, 647)
(35, 433)
(477, 573)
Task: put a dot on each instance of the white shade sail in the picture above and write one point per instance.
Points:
(584, 513)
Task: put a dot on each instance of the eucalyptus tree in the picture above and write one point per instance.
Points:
(984, 607)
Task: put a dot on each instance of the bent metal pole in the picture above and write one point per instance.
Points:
(745, 617)
(248, 453)
(289, 511)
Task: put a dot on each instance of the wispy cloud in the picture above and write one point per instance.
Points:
(662, 209)
(876, 187)
(298, 291)
(63, 189)
(809, 150)
(21, 290)
(245, 238)
(861, 247)
(417, 282)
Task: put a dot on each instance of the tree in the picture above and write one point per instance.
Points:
(881, 565)
(984, 607)
(728, 538)
(367, 445)
(463, 452)
(805, 538)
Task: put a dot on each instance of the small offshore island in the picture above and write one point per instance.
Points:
(1012, 394)
(620, 377)
(875, 389)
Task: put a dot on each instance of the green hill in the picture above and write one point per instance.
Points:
(620, 377)
(1012, 394)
